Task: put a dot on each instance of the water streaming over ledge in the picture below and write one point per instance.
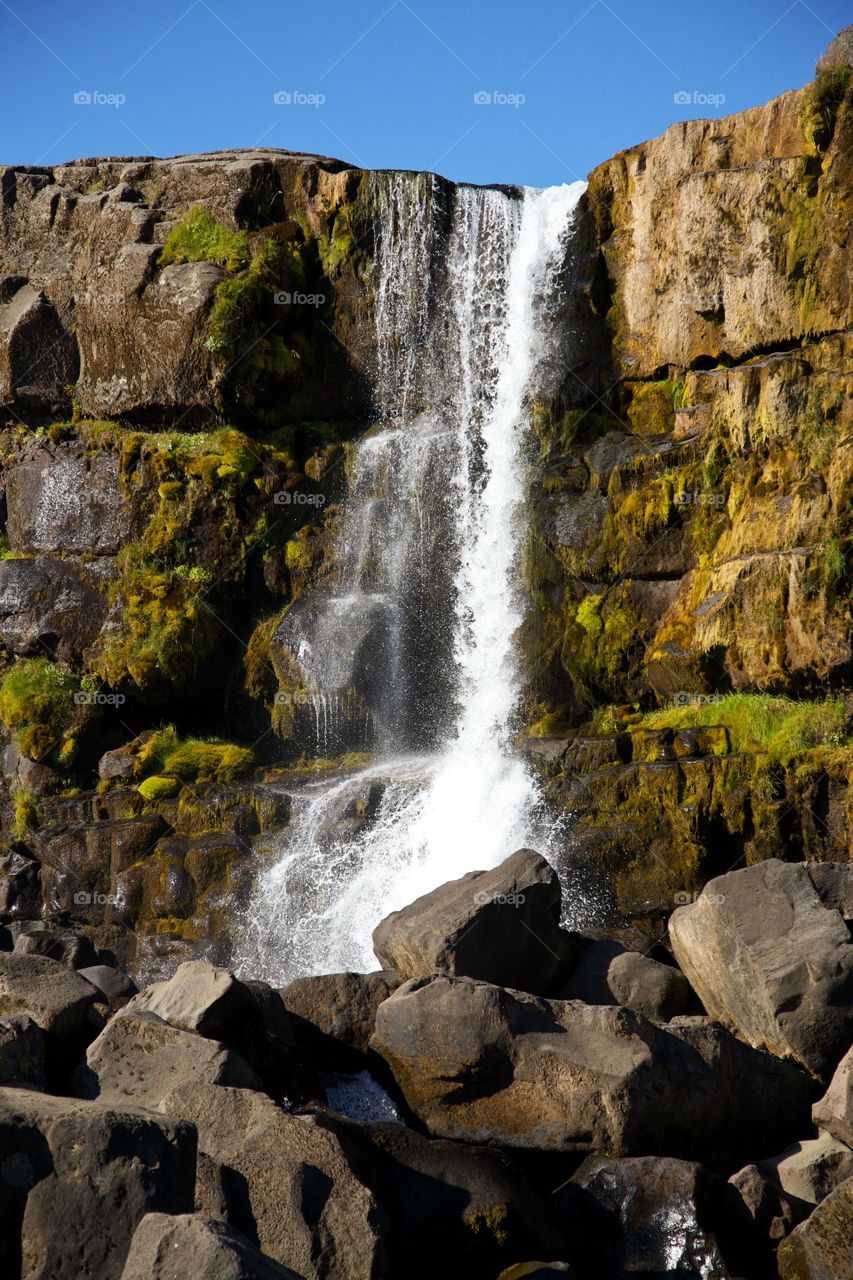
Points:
(466, 300)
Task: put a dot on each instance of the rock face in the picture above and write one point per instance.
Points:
(282, 1181)
(770, 954)
(67, 1165)
(666, 1209)
(58, 1001)
(501, 926)
(138, 1058)
(834, 1111)
(165, 1246)
(482, 1064)
(332, 1016)
(808, 1171)
(820, 1248)
(609, 973)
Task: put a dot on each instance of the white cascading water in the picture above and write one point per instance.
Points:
(464, 331)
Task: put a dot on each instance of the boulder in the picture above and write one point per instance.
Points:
(457, 1209)
(501, 926)
(58, 1000)
(68, 504)
(808, 1171)
(166, 1246)
(76, 1178)
(138, 1058)
(834, 1111)
(820, 1248)
(482, 1064)
(115, 985)
(670, 1213)
(21, 1053)
(199, 997)
(332, 1016)
(285, 1182)
(50, 604)
(118, 763)
(63, 945)
(251, 1020)
(38, 357)
(781, 976)
(609, 973)
(761, 1203)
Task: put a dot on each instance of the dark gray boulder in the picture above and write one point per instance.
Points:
(166, 1246)
(483, 1064)
(77, 1177)
(22, 1062)
(501, 926)
(768, 951)
(609, 973)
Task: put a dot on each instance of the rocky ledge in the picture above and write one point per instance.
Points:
(504, 1097)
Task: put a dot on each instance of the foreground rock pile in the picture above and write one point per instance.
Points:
(503, 1098)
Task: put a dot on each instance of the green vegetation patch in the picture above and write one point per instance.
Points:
(168, 757)
(198, 237)
(780, 727)
(37, 702)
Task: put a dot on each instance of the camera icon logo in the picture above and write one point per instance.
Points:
(482, 98)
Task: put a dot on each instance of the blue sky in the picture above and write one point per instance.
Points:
(392, 83)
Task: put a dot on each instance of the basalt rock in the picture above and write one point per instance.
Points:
(609, 973)
(768, 952)
(332, 1016)
(59, 1001)
(66, 1165)
(167, 1245)
(283, 1181)
(138, 1059)
(820, 1248)
(501, 926)
(482, 1064)
(834, 1111)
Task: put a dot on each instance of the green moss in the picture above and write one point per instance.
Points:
(833, 564)
(198, 237)
(26, 813)
(198, 759)
(158, 788)
(37, 702)
(783, 728)
(192, 759)
(820, 105)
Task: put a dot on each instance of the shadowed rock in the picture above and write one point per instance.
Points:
(483, 1064)
(501, 926)
(768, 952)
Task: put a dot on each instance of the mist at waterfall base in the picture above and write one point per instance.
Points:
(428, 562)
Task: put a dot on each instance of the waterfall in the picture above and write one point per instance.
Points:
(466, 300)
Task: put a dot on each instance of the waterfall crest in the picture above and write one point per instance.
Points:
(428, 573)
